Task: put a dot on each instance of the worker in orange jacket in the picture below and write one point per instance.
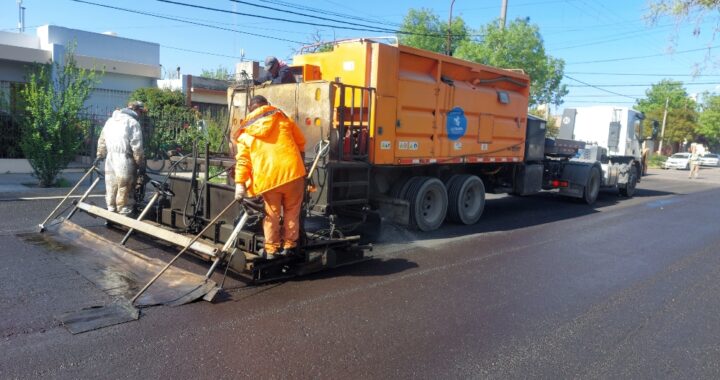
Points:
(270, 151)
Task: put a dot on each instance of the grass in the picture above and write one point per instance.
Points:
(656, 161)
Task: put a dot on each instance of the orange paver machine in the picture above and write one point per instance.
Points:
(414, 135)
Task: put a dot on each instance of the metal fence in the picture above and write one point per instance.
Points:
(9, 136)
(157, 131)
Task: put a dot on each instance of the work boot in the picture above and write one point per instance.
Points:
(267, 255)
(287, 252)
(126, 211)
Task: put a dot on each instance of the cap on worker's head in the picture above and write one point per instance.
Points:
(259, 100)
(270, 62)
(136, 105)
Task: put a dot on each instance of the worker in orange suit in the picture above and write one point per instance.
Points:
(270, 151)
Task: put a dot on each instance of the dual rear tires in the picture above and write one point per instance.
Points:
(628, 189)
(460, 200)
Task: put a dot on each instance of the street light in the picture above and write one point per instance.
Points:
(447, 48)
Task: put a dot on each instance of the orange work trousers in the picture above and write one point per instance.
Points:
(285, 200)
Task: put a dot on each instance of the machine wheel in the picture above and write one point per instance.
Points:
(466, 199)
(592, 188)
(628, 189)
(428, 202)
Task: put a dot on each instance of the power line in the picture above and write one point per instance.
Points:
(643, 56)
(644, 75)
(185, 21)
(637, 85)
(297, 21)
(598, 96)
(613, 38)
(304, 14)
(601, 102)
(327, 12)
(208, 53)
(599, 88)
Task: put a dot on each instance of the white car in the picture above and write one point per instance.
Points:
(710, 159)
(678, 161)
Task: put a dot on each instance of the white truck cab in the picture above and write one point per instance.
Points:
(613, 136)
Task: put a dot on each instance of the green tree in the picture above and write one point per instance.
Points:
(519, 46)
(170, 122)
(553, 123)
(425, 30)
(221, 73)
(682, 110)
(709, 120)
(52, 130)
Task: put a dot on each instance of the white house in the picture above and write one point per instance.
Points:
(127, 64)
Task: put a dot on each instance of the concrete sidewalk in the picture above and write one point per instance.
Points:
(14, 186)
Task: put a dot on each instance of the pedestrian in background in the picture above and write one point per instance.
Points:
(695, 151)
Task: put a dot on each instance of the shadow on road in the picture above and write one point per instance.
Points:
(513, 212)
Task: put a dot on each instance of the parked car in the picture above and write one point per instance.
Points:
(710, 159)
(678, 161)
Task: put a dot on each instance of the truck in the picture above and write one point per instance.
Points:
(616, 134)
(420, 137)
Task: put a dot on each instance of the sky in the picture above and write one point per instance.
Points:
(612, 54)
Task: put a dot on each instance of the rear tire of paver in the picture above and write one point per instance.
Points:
(466, 199)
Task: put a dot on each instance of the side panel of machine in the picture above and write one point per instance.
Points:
(450, 109)
(308, 104)
(445, 109)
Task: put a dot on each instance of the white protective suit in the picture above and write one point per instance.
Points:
(121, 145)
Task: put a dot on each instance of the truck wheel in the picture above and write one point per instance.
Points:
(592, 188)
(428, 202)
(628, 189)
(466, 199)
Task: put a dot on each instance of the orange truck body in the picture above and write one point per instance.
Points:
(421, 99)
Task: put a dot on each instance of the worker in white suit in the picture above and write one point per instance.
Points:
(121, 146)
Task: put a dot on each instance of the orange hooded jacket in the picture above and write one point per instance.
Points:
(269, 149)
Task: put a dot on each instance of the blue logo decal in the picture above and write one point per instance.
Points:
(456, 123)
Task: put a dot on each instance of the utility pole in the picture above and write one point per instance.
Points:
(662, 132)
(503, 14)
(21, 16)
(448, 49)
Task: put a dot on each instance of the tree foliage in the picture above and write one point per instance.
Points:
(682, 10)
(170, 123)
(682, 110)
(553, 123)
(52, 130)
(220, 73)
(425, 30)
(688, 11)
(519, 46)
(709, 120)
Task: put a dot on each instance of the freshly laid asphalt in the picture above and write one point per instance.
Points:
(539, 288)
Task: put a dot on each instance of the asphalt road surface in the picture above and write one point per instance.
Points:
(539, 288)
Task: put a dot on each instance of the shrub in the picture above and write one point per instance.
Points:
(656, 161)
(52, 131)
